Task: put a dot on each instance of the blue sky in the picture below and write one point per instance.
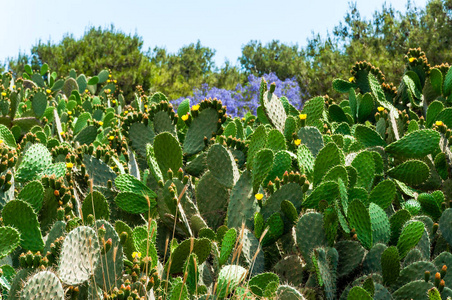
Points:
(222, 25)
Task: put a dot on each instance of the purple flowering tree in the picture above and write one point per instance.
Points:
(246, 98)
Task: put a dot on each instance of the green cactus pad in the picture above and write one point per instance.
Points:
(310, 234)
(230, 130)
(86, 136)
(227, 245)
(9, 240)
(110, 266)
(286, 292)
(390, 265)
(140, 135)
(33, 193)
(229, 278)
(328, 191)
(365, 165)
(167, 152)
(19, 214)
(328, 157)
(178, 290)
(358, 293)
(381, 232)
(314, 108)
(372, 261)
(99, 171)
(291, 192)
(276, 140)
(128, 183)
(7, 137)
(430, 206)
(359, 219)
(262, 165)
(411, 172)
(39, 104)
(129, 246)
(202, 126)
(274, 110)
(336, 173)
(290, 127)
(163, 122)
(212, 199)
(383, 193)
(416, 144)
(415, 271)
(312, 138)
(282, 162)
(134, 203)
(444, 225)
(242, 203)
(305, 160)
(79, 256)
(410, 236)
(35, 161)
(365, 107)
(201, 247)
(397, 221)
(44, 285)
(58, 230)
(95, 204)
(222, 165)
(368, 137)
(432, 112)
(258, 141)
(262, 281)
(325, 262)
(351, 254)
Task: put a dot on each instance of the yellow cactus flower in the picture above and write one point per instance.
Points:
(101, 123)
(14, 86)
(62, 133)
(1, 141)
(297, 142)
(3, 94)
(108, 80)
(69, 112)
(136, 254)
(351, 79)
(302, 116)
(259, 196)
(380, 108)
(195, 107)
(48, 91)
(439, 123)
(69, 165)
(115, 81)
(145, 106)
(107, 91)
(86, 91)
(411, 59)
(185, 117)
(111, 138)
(109, 75)
(126, 112)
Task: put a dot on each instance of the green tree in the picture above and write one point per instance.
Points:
(283, 60)
(177, 74)
(98, 49)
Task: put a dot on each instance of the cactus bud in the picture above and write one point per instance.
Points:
(427, 276)
(443, 271)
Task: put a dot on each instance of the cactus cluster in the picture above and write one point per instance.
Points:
(105, 199)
